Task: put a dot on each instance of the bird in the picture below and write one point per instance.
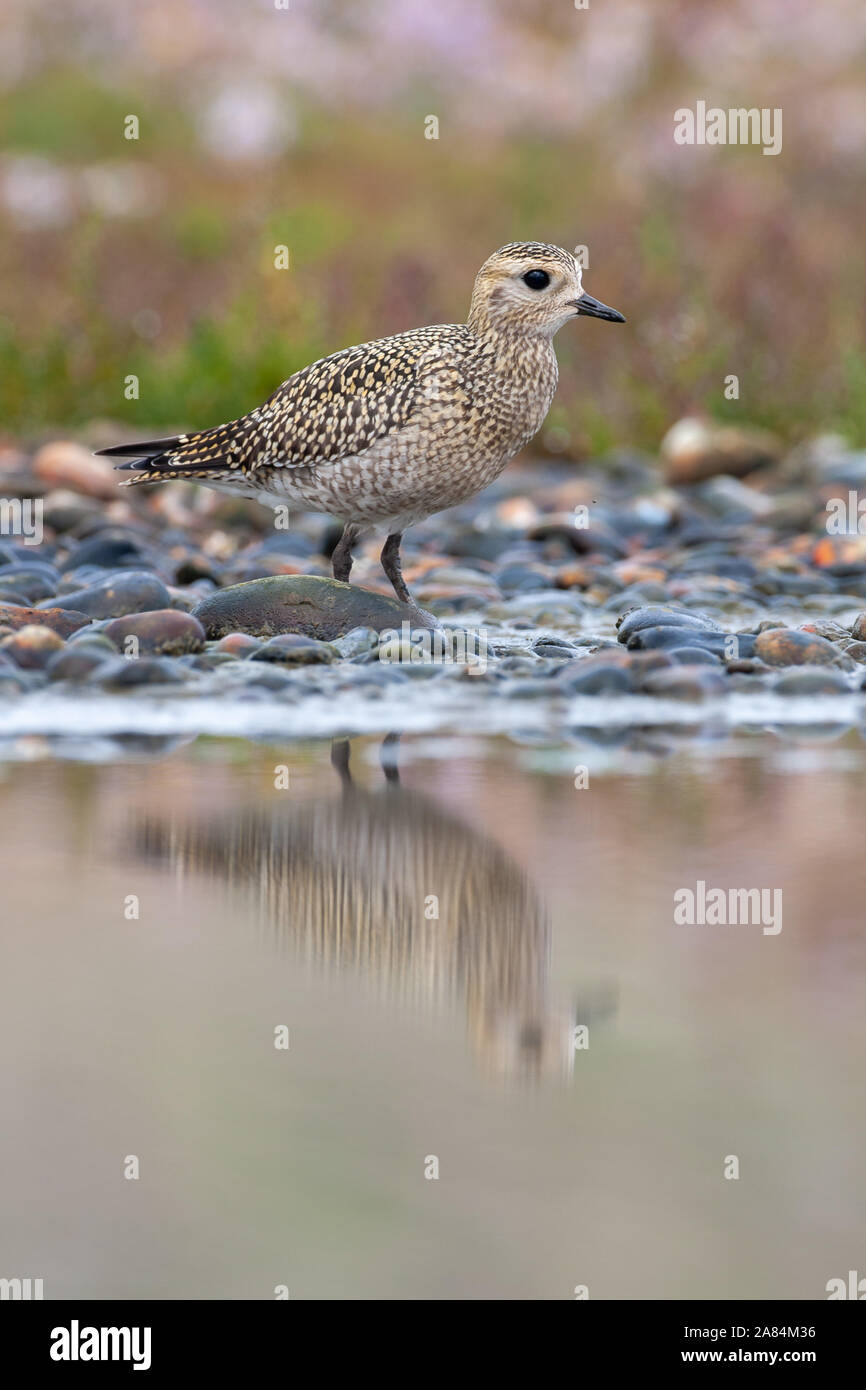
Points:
(384, 434)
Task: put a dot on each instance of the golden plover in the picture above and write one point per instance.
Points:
(382, 435)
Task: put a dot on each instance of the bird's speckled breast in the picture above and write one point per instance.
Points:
(479, 403)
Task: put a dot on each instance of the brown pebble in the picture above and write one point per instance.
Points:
(32, 647)
(63, 621)
(238, 644)
(64, 464)
(160, 632)
(782, 646)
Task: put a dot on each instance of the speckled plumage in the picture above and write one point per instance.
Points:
(386, 433)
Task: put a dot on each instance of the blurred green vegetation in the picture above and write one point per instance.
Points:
(725, 273)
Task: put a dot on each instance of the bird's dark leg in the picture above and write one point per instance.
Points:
(341, 559)
(390, 558)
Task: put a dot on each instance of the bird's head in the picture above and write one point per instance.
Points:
(530, 287)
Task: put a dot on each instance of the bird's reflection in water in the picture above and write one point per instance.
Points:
(353, 880)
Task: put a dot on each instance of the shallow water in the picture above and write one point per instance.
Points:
(412, 1036)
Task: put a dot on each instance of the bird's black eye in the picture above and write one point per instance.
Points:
(536, 279)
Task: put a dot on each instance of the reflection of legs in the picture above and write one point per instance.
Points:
(340, 751)
(341, 560)
(390, 558)
(388, 756)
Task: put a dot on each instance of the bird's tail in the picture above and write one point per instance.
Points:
(207, 455)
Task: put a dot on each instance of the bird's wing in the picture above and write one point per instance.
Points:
(334, 408)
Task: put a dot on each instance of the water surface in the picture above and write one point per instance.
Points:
(312, 906)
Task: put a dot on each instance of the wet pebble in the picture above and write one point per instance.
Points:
(64, 622)
(808, 682)
(77, 662)
(10, 685)
(109, 550)
(694, 656)
(64, 510)
(527, 689)
(788, 647)
(688, 683)
(238, 644)
(518, 665)
(128, 591)
(92, 637)
(31, 647)
(304, 604)
(268, 678)
(825, 627)
(695, 449)
(163, 632)
(34, 582)
(292, 649)
(207, 661)
(126, 674)
(554, 647)
(722, 644)
(601, 678)
(358, 642)
(522, 579)
(64, 464)
(640, 619)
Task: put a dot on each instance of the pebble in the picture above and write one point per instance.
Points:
(602, 678)
(526, 689)
(64, 464)
(163, 632)
(238, 644)
(693, 656)
(10, 686)
(694, 449)
(128, 591)
(359, 641)
(522, 579)
(31, 647)
(308, 605)
(76, 663)
(689, 683)
(782, 646)
(653, 617)
(33, 582)
(64, 510)
(293, 649)
(722, 644)
(109, 550)
(125, 674)
(269, 678)
(808, 682)
(92, 637)
(551, 647)
(63, 621)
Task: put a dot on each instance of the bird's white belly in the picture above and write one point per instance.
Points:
(396, 479)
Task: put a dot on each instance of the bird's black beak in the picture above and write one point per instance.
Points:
(594, 309)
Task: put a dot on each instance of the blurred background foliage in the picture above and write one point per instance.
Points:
(305, 126)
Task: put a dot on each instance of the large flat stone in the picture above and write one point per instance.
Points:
(63, 621)
(303, 603)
